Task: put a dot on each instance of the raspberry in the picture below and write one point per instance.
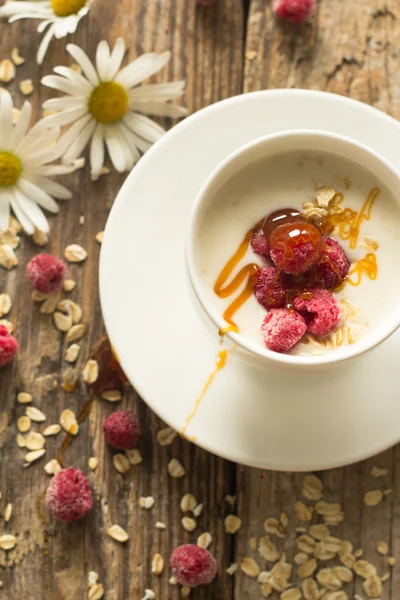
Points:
(334, 264)
(8, 346)
(294, 11)
(259, 244)
(46, 273)
(321, 312)
(192, 565)
(268, 289)
(282, 329)
(295, 247)
(121, 430)
(69, 496)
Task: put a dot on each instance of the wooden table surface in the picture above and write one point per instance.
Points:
(349, 48)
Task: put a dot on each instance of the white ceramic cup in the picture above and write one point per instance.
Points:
(266, 147)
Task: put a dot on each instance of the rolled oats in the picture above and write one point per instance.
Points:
(52, 467)
(232, 524)
(69, 285)
(76, 332)
(266, 589)
(249, 567)
(62, 322)
(373, 497)
(117, 533)
(7, 70)
(306, 544)
(34, 441)
(198, 510)
(188, 503)
(68, 422)
(328, 580)
(121, 463)
(364, 569)
(166, 436)
(16, 58)
(373, 586)
(188, 523)
(146, 502)
(24, 398)
(24, 424)
(134, 456)
(72, 353)
(175, 469)
(75, 253)
(307, 569)
(72, 309)
(300, 558)
(93, 463)
(90, 371)
(343, 573)
(8, 258)
(267, 549)
(319, 532)
(8, 512)
(112, 395)
(310, 589)
(26, 87)
(40, 238)
(378, 472)
(5, 304)
(274, 527)
(303, 512)
(157, 565)
(312, 487)
(34, 455)
(7, 541)
(292, 594)
(21, 441)
(231, 570)
(204, 540)
(391, 561)
(99, 237)
(50, 302)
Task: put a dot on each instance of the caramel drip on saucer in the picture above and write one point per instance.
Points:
(227, 329)
(220, 363)
(348, 220)
(367, 266)
(248, 272)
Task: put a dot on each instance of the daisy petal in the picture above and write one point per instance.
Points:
(131, 141)
(4, 210)
(26, 223)
(66, 25)
(115, 149)
(74, 76)
(21, 126)
(6, 105)
(69, 136)
(44, 44)
(79, 144)
(65, 118)
(144, 127)
(103, 60)
(34, 193)
(97, 149)
(117, 56)
(63, 103)
(33, 212)
(52, 170)
(54, 188)
(134, 140)
(84, 62)
(142, 68)
(160, 109)
(157, 92)
(62, 85)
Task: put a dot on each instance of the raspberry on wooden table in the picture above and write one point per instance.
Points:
(282, 329)
(259, 244)
(321, 312)
(46, 273)
(334, 265)
(268, 289)
(192, 565)
(294, 11)
(121, 430)
(69, 496)
(8, 346)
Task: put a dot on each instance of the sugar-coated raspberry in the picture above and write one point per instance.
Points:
(282, 329)
(8, 346)
(334, 264)
(121, 430)
(321, 312)
(69, 496)
(269, 290)
(259, 244)
(294, 11)
(46, 273)
(192, 565)
(296, 247)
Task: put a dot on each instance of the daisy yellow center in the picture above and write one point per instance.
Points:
(10, 169)
(108, 102)
(65, 8)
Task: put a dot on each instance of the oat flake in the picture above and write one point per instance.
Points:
(307, 569)
(373, 586)
(364, 569)
(166, 436)
(68, 421)
(231, 570)
(188, 503)
(35, 414)
(121, 463)
(96, 592)
(188, 524)
(204, 540)
(117, 533)
(378, 472)
(310, 589)
(268, 550)
(134, 456)
(292, 594)
(373, 497)
(75, 253)
(312, 487)
(7, 542)
(175, 469)
(157, 565)
(90, 371)
(250, 567)
(303, 512)
(232, 524)
(146, 502)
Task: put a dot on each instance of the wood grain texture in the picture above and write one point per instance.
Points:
(222, 51)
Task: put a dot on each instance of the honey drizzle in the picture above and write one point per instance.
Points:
(349, 221)
(249, 271)
(69, 437)
(220, 363)
(367, 266)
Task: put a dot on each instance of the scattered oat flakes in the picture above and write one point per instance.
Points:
(378, 472)
(387, 492)
(21, 441)
(319, 532)
(370, 243)
(232, 524)
(117, 533)
(112, 395)
(34, 455)
(16, 58)
(5, 304)
(62, 322)
(306, 544)
(310, 589)
(292, 594)
(249, 567)
(230, 499)
(90, 371)
(373, 586)
(166, 436)
(343, 573)
(303, 512)
(72, 353)
(204, 540)
(75, 253)
(52, 467)
(34, 441)
(312, 487)
(253, 544)
(185, 591)
(146, 502)
(24, 424)
(300, 558)
(278, 582)
(274, 527)
(175, 469)
(391, 561)
(69, 285)
(307, 569)
(328, 580)
(385, 577)
(75, 67)
(231, 570)
(24, 398)
(267, 549)
(382, 548)
(49, 305)
(93, 463)
(188, 503)
(7, 70)
(348, 310)
(364, 569)
(134, 456)
(103, 171)
(7, 324)
(121, 463)
(284, 519)
(188, 523)
(198, 510)
(7, 541)
(96, 592)
(99, 237)
(373, 497)
(26, 87)
(157, 565)
(68, 421)
(40, 238)
(266, 589)
(8, 512)
(160, 525)
(70, 308)
(8, 258)
(76, 332)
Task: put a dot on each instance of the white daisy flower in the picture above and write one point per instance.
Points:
(26, 183)
(60, 16)
(105, 104)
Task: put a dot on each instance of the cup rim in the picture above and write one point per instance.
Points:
(376, 337)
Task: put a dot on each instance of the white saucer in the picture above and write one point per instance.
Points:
(248, 416)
